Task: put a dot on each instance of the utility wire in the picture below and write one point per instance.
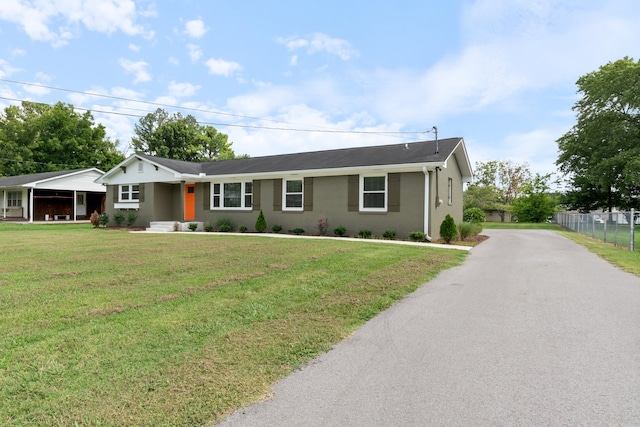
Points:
(382, 133)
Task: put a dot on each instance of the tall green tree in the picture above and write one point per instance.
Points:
(536, 204)
(497, 183)
(43, 138)
(601, 153)
(182, 138)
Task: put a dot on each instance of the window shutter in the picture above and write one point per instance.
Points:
(394, 192)
(206, 196)
(141, 193)
(116, 190)
(308, 194)
(277, 195)
(255, 203)
(353, 196)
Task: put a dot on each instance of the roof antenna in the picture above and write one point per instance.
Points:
(435, 129)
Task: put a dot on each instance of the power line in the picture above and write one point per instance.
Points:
(381, 133)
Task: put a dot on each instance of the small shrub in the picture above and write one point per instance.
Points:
(95, 219)
(104, 219)
(469, 229)
(242, 228)
(474, 215)
(448, 229)
(276, 228)
(364, 234)
(176, 226)
(297, 231)
(118, 217)
(261, 223)
(132, 217)
(224, 225)
(417, 236)
(193, 226)
(208, 227)
(389, 234)
(339, 231)
(322, 226)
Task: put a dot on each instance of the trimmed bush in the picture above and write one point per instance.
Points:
(261, 223)
(118, 217)
(297, 230)
(448, 229)
(132, 217)
(242, 228)
(339, 230)
(208, 227)
(417, 236)
(389, 234)
(95, 219)
(103, 219)
(224, 225)
(364, 234)
(474, 215)
(276, 228)
(193, 226)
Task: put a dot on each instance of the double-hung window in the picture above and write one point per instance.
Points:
(129, 193)
(293, 194)
(231, 195)
(373, 194)
(14, 198)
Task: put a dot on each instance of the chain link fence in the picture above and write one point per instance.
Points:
(618, 228)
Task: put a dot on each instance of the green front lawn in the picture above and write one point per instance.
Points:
(112, 328)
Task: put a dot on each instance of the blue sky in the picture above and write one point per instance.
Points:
(500, 73)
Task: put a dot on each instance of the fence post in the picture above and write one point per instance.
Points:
(633, 230)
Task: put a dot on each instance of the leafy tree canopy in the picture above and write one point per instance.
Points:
(601, 153)
(182, 138)
(536, 204)
(43, 138)
(497, 183)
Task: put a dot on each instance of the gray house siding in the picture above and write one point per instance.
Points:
(326, 198)
(439, 190)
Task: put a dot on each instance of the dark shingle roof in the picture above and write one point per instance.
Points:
(16, 181)
(396, 154)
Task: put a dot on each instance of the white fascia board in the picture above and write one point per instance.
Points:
(43, 182)
(406, 167)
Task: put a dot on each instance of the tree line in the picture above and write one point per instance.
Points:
(37, 137)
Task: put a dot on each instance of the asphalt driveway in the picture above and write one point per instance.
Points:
(531, 330)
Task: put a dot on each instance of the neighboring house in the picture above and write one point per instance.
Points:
(61, 195)
(400, 187)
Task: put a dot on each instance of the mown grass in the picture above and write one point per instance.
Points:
(112, 328)
(621, 257)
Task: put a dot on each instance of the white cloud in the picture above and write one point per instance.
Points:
(294, 61)
(137, 68)
(6, 70)
(221, 67)
(43, 77)
(181, 90)
(174, 61)
(36, 89)
(195, 28)
(18, 52)
(134, 47)
(195, 53)
(50, 21)
(320, 42)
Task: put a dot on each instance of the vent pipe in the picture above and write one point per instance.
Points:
(435, 129)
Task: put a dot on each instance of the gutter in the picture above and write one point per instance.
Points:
(426, 202)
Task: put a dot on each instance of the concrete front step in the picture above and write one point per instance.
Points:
(168, 226)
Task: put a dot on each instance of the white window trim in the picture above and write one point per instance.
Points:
(242, 196)
(386, 193)
(284, 194)
(17, 200)
(131, 199)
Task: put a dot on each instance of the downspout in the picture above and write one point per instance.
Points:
(426, 203)
(75, 205)
(4, 204)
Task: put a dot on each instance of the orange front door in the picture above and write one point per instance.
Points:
(189, 202)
